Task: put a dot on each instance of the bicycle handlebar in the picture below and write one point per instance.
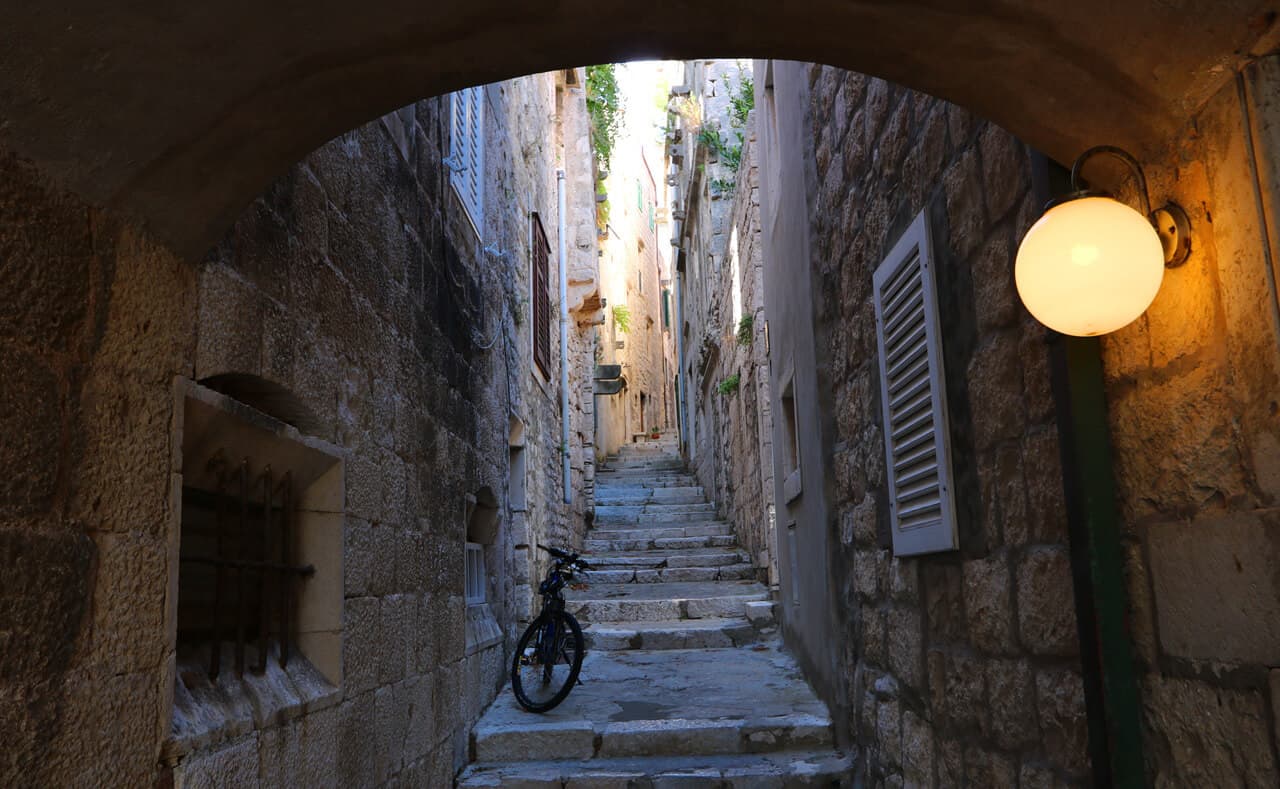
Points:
(571, 558)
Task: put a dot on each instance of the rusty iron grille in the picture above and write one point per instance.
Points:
(254, 529)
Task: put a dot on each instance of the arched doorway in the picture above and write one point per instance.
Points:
(188, 180)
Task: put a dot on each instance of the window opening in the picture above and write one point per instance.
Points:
(913, 397)
(475, 575)
(466, 151)
(540, 278)
(240, 576)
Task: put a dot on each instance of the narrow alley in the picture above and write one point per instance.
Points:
(685, 679)
(909, 377)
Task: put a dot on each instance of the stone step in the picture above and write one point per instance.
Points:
(717, 633)
(653, 602)
(641, 475)
(620, 495)
(624, 505)
(729, 572)
(656, 463)
(654, 560)
(579, 739)
(659, 543)
(792, 768)
(657, 517)
(656, 531)
(634, 512)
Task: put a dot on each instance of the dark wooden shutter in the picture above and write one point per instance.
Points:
(541, 298)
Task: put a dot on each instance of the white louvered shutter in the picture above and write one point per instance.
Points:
(913, 398)
(467, 151)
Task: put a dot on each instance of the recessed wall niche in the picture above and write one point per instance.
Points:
(256, 575)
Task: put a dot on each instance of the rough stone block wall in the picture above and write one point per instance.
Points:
(1191, 387)
(356, 284)
(958, 668)
(737, 467)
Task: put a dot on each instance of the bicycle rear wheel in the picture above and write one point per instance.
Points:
(547, 661)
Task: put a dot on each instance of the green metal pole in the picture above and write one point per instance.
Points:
(1097, 563)
(1112, 700)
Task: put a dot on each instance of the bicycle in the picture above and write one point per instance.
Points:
(552, 642)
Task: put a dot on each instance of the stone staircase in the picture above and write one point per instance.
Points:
(685, 682)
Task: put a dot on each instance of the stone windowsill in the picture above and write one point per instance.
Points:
(209, 712)
(482, 628)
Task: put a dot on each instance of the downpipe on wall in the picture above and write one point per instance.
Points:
(564, 339)
(1113, 705)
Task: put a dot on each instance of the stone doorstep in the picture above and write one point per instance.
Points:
(579, 739)
(786, 768)
(679, 634)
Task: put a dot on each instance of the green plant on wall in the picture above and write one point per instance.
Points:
(729, 385)
(742, 100)
(622, 317)
(745, 324)
(602, 208)
(605, 107)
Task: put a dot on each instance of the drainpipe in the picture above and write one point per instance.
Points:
(1112, 704)
(564, 341)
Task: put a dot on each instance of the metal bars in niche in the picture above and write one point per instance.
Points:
(254, 526)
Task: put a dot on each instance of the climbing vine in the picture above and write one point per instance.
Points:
(604, 105)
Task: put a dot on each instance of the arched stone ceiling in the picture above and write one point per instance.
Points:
(180, 113)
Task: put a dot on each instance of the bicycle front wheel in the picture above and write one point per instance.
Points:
(547, 661)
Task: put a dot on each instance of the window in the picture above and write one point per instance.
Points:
(540, 277)
(259, 575)
(735, 278)
(475, 573)
(913, 397)
(466, 151)
(791, 480)
(480, 513)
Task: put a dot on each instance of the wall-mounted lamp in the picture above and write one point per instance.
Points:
(1092, 264)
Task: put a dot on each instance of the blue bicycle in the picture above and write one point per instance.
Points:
(549, 654)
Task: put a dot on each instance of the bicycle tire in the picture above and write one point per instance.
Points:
(570, 637)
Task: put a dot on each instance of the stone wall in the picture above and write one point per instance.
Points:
(958, 668)
(733, 458)
(630, 274)
(964, 667)
(356, 284)
(1192, 387)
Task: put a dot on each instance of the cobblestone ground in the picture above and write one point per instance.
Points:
(685, 682)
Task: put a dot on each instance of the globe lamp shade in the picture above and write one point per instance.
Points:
(1090, 266)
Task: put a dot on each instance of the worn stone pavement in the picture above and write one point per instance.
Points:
(685, 682)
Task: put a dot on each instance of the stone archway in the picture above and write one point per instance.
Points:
(179, 118)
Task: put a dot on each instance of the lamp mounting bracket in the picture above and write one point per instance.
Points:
(1171, 222)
